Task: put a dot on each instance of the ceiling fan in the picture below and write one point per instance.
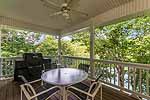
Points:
(66, 9)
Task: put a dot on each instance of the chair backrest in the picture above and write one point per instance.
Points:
(94, 88)
(47, 64)
(29, 91)
(24, 73)
(99, 76)
(84, 67)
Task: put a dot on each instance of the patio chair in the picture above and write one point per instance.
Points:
(85, 85)
(85, 92)
(84, 67)
(42, 92)
(46, 64)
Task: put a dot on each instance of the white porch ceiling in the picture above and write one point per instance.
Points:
(32, 15)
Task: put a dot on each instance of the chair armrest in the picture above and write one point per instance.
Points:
(86, 93)
(34, 81)
(97, 88)
(40, 93)
(25, 81)
(23, 78)
(27, 90)
(91, 79)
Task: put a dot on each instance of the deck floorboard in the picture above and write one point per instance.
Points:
(10, 90)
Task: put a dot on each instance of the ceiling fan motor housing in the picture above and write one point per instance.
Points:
(65, 9)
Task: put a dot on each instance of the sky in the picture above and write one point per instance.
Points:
(67, 38)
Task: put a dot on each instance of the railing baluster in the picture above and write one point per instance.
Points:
(102, 66)
(134, 79)
(106, 72)
(6, 66)
(114, 74)
(76, 63)
(128, 78)
(110, 72)
(1, 68)
(96, 67)
(147, 82)
(140, 80)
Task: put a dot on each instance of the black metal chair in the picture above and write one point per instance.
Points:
(47, 64)
(84, 67)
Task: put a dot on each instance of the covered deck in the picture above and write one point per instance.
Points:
(119, 78)
(115, 85)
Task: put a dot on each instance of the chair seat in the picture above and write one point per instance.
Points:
(80, 95)
(47, 94)
(81, 86)
(89, 86)
(47, 86)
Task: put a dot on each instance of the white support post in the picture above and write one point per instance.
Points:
(92, 37)
(59, 50)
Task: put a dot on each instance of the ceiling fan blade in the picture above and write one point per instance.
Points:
(51, 6)
(72, 3)
(79, 12)
(51, 3)
(56, 13)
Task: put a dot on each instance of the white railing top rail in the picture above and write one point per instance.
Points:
(73, 57)
(18, 57)
(124, 64)
(15, 57)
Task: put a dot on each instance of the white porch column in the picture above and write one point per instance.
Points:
(92, 37)
(59, 50)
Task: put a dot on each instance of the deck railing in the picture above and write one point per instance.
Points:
(130, 77)
(7, 65)
(133, 78)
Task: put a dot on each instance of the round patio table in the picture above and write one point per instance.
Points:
(64, 77)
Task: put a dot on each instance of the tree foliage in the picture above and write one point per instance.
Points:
(16, 42)
(124, 41)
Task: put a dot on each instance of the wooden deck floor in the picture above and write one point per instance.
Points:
(10, 90)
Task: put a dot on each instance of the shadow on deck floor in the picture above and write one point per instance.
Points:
(10, 90)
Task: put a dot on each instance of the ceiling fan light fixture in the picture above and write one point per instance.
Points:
(65, 14)
(65, 11)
